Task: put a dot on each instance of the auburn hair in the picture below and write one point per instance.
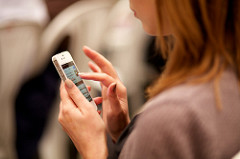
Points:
(207, 41)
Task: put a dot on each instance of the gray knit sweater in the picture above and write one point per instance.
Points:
(184, 123)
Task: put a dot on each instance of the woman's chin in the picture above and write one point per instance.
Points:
(150, 32)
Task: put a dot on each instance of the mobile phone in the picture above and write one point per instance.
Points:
(67, 69)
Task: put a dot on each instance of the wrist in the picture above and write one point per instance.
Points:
(98, 150)
(99, 154)
(115, 135)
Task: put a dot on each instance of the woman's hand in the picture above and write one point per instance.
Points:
(82, 122)
(114, 93)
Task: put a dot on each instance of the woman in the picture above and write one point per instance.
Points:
(194, 107)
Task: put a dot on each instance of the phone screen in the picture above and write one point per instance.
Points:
(72, 74)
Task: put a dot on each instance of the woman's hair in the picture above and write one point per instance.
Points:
(207, 41)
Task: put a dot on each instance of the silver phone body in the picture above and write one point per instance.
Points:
(67, 69)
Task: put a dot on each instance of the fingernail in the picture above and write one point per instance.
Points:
(114, 87)
(86, 47)
(80, 74)
(69, 83)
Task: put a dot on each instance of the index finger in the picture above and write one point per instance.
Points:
(101, 61)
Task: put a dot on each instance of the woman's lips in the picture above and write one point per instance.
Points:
(135, 13)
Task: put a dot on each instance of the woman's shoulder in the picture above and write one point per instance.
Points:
(195, 97)
(184, 121)
(161, 129)
(184, 97)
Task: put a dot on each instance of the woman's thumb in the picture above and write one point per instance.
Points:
(112, 95)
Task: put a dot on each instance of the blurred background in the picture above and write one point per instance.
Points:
(31, 32)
